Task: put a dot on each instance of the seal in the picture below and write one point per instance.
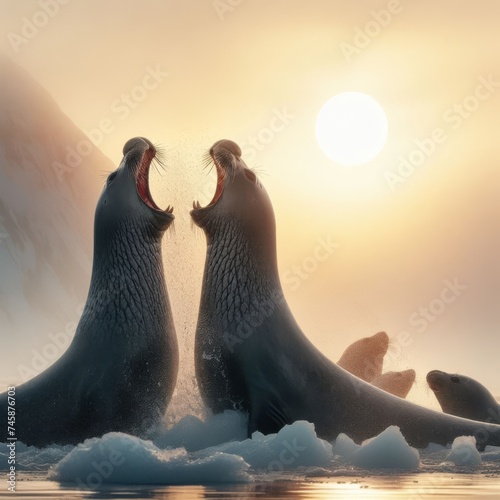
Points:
(463, 396)
(365, 357)
(397, 383)
(250, 353)
(120, 370)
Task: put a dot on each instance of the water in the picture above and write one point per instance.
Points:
(388, 486)
(316, 471)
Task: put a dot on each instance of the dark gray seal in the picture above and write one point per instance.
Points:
(120, 370)
(463, 396)
(251, 355)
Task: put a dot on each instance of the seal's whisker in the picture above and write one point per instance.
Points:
(136, 163)
(104, 174)
(259, 171)
(208, 164)
(198, 232)
(159, 145)
(211, 168)
(160, 154)
(160, 158)
(170, 233)
(393, 346)
(159, 166)
(207, 160)
(157, 169)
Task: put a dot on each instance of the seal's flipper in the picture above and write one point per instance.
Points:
(267, 416)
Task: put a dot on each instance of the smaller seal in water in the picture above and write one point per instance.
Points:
(365, 357)
(397, 383)
(463, 396)
(120, 370)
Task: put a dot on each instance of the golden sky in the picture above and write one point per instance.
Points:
(187, 73)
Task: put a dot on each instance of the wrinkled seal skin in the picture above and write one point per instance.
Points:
(250, 353)
(463, 396)
(119, 372)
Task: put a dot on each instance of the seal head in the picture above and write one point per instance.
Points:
(126, 194)
(463, 396)
(365, 357)
(397, 383)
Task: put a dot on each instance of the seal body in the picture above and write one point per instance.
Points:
(365, 357)
(120, 370)
(463, 396)
(397, 383)
(250, 353)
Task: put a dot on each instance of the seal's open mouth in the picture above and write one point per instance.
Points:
(226, 156)
(142, 180)
(221, 177)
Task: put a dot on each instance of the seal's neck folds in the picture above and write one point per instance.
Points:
(127, 282)
(241, 274)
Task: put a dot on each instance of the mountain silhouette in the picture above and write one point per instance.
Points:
(48, 193)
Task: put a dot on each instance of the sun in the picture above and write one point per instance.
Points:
(351, 128)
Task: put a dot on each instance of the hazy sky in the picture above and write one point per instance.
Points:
(187, 73)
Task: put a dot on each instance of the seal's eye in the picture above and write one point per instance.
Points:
(455, 379)
(111, 177)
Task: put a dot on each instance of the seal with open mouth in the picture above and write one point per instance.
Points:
(250, 354)
(120, 370)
